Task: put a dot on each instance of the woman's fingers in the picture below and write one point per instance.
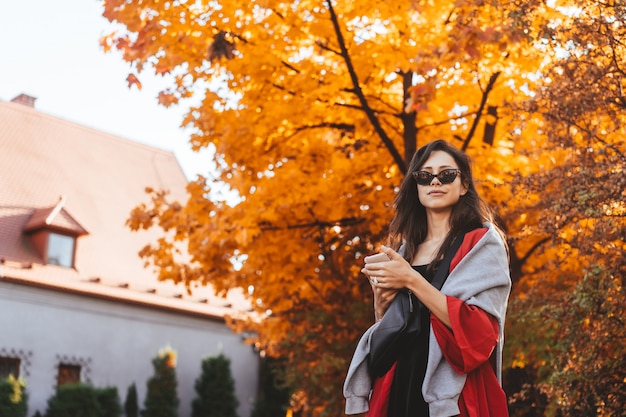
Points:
(392, 254)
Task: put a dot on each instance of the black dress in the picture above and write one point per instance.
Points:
(405, 397)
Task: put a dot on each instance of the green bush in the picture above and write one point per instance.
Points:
(74, 400)
(77, 400)
(13, 399)
(109, 402)
(216, 390)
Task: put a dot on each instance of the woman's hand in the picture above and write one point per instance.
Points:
(397, 273)
(385, 289)
(394, 274)
(382, 297)
(382, 300)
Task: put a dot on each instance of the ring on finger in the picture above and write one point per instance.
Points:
(375, 280)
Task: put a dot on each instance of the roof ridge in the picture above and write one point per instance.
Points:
(109, 135)
(55, 210)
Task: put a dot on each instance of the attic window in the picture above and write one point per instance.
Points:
(53, 233)
(61, 250)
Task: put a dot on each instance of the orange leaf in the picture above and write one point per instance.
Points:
(167, 99)
(133, 80)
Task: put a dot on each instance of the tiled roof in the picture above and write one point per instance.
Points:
(101, 178)
(55, 217)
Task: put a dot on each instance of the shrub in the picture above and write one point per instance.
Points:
(109, 402)
(77, 400)
(162, 397)
(74, 400)
(131, 405)
(13, 399)
(216, 390)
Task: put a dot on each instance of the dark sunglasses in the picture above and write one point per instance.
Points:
(447, 176)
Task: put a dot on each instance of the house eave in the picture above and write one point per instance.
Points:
(203, 312)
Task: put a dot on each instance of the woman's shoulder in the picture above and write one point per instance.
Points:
(481, 236)
(475, 235)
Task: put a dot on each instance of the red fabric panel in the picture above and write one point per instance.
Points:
(468, 243)
(472, 339)
(482, 395)
(467, 348)
(379, 401)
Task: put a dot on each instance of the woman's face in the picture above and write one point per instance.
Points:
(437, 196)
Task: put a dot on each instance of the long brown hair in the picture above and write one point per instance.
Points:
(409, 226)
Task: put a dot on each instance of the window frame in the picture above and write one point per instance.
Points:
(69, 373)
(8, 363)
(60, 246)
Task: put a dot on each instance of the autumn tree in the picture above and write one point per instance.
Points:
(314, 110)
(570, 215)
(273, 397)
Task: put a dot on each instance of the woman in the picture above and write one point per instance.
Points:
(454, 366)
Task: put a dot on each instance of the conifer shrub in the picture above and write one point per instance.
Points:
(162, 396)
(215, 389)
(131, 405)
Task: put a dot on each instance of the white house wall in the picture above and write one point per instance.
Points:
(115, 343)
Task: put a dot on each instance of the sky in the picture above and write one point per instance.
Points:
(50, 50)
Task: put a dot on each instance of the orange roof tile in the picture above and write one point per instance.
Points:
(55, 217)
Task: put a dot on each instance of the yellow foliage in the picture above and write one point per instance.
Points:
(18, 385)
(169, 355)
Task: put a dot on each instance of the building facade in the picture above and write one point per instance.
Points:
(76, 302)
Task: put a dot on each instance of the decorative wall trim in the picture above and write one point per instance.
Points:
(84, 363)
(25, 357)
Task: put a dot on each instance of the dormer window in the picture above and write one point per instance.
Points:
(53, 233)
(61, 250)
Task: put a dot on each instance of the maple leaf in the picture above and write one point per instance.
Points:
(161, 69)
(133, 80)
(221, 47)
(167, 98)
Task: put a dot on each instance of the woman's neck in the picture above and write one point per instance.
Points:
(438, 226)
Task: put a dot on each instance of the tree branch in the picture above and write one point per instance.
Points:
(408, 120)
(348, 221)
(532, 249)
(481, 107)
(359, 93)
(327, 48)
(291, 67)
(341, 126)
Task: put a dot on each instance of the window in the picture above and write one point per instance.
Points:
(9, 366)
(68, 374)
(61, 250)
